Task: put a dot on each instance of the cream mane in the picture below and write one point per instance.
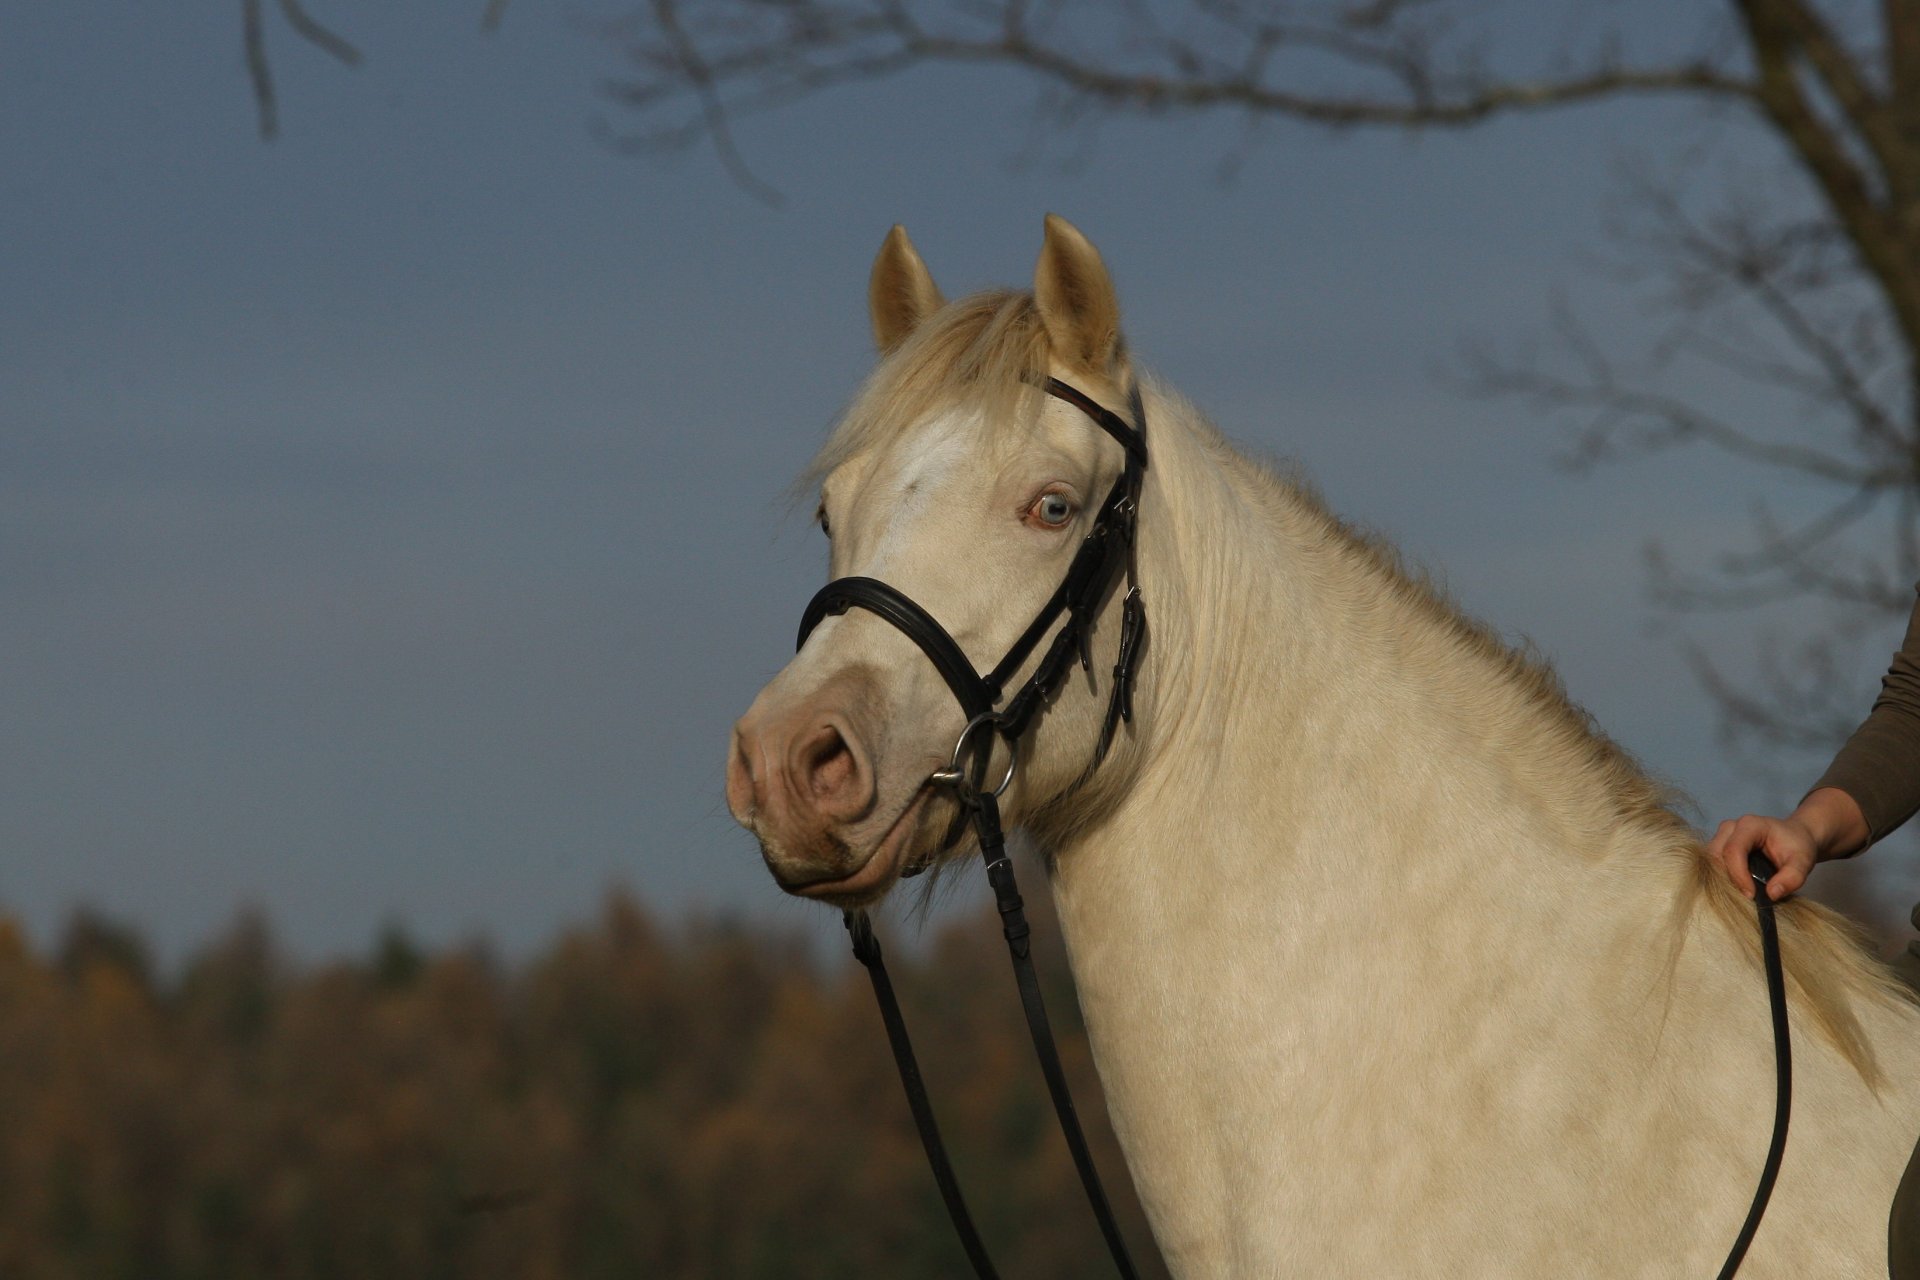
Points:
(1597, 789)
(1826, 955)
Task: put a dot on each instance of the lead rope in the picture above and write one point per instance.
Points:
(1762, 871)
(1013, 926)
(985, 811)
(866, 949)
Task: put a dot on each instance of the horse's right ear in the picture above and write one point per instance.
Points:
(900, 292)
(1075, 298)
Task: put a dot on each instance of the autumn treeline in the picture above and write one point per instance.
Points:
(639, 1100)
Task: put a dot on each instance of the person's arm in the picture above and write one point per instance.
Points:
(1872, 786)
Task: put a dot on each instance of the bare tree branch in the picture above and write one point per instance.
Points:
(259, 70)
(738, 56)
(688, 64)
(1620, 417)
(1866, 111)
(1848, 192)
(308, 28)
(1900, 23)
(1426, 109)
(313, 33)
(253, 35)
(1769, 267)
(1807, 291)
(1802, 702)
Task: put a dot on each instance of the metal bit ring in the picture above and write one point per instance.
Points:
(954, 776)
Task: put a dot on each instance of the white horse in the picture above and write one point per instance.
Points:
(1392, 964)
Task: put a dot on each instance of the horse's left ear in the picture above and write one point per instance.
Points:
(1076, 300)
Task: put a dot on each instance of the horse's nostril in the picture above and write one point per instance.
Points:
(829, 764)
(830, 775)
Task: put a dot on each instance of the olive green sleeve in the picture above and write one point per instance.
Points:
(1880, 764)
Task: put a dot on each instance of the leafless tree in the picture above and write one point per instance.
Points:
(1796, 282)
(253, 29)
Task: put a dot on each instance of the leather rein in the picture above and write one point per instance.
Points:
(1107, 550)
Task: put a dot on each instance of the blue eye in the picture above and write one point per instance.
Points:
(1053, 509)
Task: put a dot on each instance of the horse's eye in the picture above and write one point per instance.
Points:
(1053, 510)
(820, 518)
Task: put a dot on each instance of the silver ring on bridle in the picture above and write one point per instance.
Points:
(954, 776)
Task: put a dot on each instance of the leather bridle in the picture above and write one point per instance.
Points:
(1107, 550)
(1105, 553)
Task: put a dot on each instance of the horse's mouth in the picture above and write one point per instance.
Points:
(873, 877)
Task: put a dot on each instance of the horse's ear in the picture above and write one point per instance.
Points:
(900, 292)
(1076, 300)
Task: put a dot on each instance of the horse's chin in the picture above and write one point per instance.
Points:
(870, 878)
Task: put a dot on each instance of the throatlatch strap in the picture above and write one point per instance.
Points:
(866, 949)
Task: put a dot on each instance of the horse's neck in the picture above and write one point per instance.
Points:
(1268, 693)
(1298, 689)
(1328, 836)
(1381, 950)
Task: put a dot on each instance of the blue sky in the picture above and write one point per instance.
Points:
(391, 517)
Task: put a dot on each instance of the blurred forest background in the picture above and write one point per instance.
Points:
(389, 530)
(637, 1100)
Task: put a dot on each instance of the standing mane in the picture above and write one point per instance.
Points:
(1826, 955)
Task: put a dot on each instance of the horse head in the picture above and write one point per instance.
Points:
(959, 483)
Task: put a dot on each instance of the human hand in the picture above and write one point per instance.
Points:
(1828, 824)
(1787, 842)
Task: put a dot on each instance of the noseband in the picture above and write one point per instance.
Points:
(1107, 551)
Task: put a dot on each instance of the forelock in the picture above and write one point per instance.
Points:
(984, 354)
